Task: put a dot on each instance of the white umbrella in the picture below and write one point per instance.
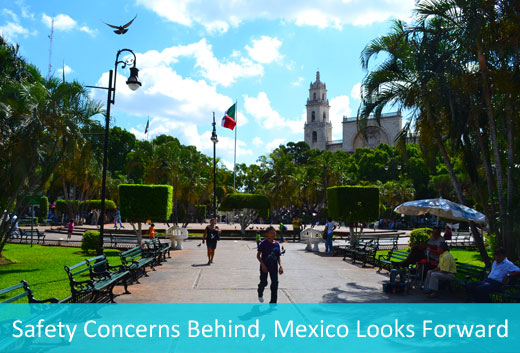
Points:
(441, 208)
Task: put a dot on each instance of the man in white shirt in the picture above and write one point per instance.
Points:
(502, 271)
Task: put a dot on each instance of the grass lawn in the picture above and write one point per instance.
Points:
(43, 268)
(471, 257)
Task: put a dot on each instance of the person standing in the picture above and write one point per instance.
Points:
(210, 237)
(151, 231)
(270, 264)
(446, 270)
(329, 229)
(70, 229)
(117, 218)
(296, 228)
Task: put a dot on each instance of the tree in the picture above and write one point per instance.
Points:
(139, 203)
(248, 207)
(353, 204)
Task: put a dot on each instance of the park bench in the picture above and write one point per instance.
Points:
(366, 253)
(158, 250)
(27, 222)
(386, 260)
(11, 296)
(135, 260)
(95, 278)
(118, 238)
(510, 292)
(27, 234)
(388, 243)
(467, 273)
(354, 249)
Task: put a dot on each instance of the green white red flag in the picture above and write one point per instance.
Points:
(229, 121)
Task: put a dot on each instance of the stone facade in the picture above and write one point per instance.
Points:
(318, 129)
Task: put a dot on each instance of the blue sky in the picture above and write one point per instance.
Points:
(196, 57)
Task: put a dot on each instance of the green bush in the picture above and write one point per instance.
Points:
(139, 202)
(90, 240)
(353, 203)
(44, 209)
(96, 205)
(239, 201)
(420, 235)
(491, 242)
(200, 212)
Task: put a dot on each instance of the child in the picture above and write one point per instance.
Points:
(269, 257)
(70, 228)
(152, 231)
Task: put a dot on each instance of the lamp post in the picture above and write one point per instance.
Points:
(133, 83)
(214, 139)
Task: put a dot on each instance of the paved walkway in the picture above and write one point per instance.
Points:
(233, 278)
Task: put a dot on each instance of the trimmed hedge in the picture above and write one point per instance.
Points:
(420, 235)
(353, 203)
(88, 205)
(44, 208)
(140, 202)
(90, 240)
(239, 201)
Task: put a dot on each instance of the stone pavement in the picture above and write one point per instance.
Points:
(234, 276)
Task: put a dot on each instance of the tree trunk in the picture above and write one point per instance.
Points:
(496, 153)
(458, 190)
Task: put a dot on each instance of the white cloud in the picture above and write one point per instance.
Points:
(331, 13)
(298, 82)
(265, 50)
(13, 29)
(355, 93)
(224, 72)
(257, 141)
(67, 70)
(339, 107)
(275, 144)
(64, 22)
(260, 108)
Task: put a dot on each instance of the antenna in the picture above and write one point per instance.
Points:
(50, 49)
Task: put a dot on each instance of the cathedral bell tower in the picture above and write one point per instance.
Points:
(318, 129)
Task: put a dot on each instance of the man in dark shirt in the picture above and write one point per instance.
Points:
(269, 257)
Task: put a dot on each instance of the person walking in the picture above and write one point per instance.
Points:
(210, 237)
(117, 218)
(151, 231)
(329, 229)
(268, 255)
(70, 229)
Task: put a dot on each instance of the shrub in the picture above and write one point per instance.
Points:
(90, 240)
(251, 205)
(139, 202)
(420, 235)
(96, 205)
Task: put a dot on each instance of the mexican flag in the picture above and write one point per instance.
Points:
(229, 120)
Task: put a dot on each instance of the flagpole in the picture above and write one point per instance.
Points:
(235, 157)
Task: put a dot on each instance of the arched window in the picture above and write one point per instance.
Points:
(314, 136)
(314, 95)
(324, 116)
(313, 117)
(323, 96)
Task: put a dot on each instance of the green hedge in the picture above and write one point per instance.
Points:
(90, 240)
(44, 208)
(353, 203)
(87, 205)
(420, 235)
(239, 201)
(139, 202)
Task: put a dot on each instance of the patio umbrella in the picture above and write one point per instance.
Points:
(441, 208)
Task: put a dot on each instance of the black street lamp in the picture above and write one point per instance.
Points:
(214, 139)
(133, 83)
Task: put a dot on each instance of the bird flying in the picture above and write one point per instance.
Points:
(120, 29)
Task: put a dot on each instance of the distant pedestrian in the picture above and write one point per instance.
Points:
(70, 229)
(117, 218)
(151, 231)
(258, 240)
(296, 223)
(329, 229)
(283, 229)
(269, 257)
(210, 237)
(448, 233)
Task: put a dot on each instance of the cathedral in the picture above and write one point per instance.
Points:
(318, 129)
